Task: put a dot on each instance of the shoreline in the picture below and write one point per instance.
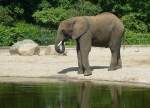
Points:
(43, 80)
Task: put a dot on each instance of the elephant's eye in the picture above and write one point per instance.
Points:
(63, 31)
(70, 31)
(67, 32)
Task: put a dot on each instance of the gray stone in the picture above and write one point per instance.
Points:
(25, 48)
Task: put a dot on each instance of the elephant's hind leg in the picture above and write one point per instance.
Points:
(115, 59)
(116, 62)
(119, 60)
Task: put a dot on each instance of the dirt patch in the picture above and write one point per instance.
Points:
(136, 65)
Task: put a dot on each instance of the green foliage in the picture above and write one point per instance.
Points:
(44, 5)
(5, 17)
(51, 16)
(133, 24)
(10, 35)
(18, 11)
(5, 36)
(66, 4)
(87, 8)
(48, 14)
(133, 38)
(40, 35)
(120, 9)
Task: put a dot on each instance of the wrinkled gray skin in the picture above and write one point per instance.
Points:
(103, 30)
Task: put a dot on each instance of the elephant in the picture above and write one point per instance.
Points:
(102, 30)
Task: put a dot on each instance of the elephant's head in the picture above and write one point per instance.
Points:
(70, 29)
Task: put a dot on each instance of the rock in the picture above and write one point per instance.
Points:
(25, 48)
(50, 50)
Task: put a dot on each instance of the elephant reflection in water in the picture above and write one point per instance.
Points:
(84, 95)
(116, 96)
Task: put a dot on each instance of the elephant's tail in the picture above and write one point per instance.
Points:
(124, 39)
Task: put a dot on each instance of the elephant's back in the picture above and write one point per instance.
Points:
(107, 15)
(102, 27)
(105, 22)
(107, 19)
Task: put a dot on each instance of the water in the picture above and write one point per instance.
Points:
(72, 95)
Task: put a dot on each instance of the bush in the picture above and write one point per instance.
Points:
(87, 8)
(121, 9)
(52, 16)
(5, 16)
(132, 38)
(133, 24)
(48, 13)
(10, 35)
(5, 36)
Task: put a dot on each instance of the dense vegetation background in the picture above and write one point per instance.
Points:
(39, 19)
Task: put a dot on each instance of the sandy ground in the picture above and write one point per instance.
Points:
(136, 66)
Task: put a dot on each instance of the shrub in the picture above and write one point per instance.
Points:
(132, 38)
(17, 11)
(10, 35)
(87, 8)
(44, 5)
(5, 36)
(40, 35)
(133, 24)
(121, 9)
(52, 16)
(5, 17)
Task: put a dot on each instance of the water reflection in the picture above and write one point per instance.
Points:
(69, 95)
(84, 95)
(116, 96)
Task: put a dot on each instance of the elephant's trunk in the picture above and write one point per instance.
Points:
(60, 47)
(59, 43)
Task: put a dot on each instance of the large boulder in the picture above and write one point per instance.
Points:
(25, 48)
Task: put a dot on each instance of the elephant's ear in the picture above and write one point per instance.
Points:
(80, 27)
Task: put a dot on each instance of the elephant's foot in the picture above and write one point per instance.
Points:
(80, 71)
(87, 73)
(112, 68)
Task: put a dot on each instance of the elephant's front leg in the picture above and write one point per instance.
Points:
(85, 47)
(81, 69)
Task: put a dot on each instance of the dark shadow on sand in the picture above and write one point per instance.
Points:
(76, 69)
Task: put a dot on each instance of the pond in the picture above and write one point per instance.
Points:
(72, 95)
